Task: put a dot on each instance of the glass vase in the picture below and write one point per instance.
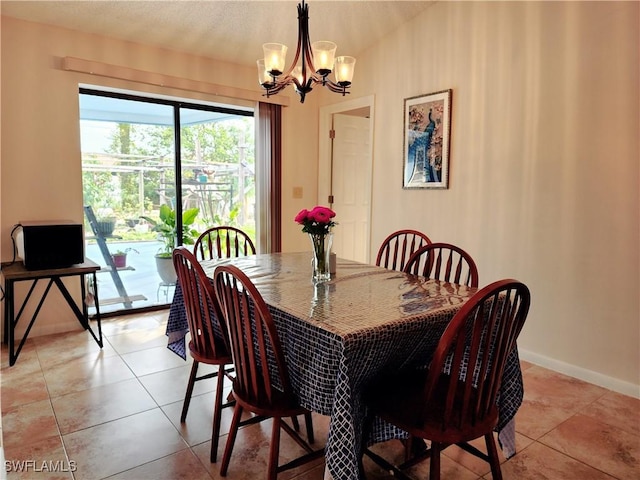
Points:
(321, 247)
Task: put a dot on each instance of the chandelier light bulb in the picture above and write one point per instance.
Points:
(323, 55)
(274, 58)
(344, 70)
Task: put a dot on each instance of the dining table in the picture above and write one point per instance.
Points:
(339, 334)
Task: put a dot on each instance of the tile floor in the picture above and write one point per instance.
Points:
(114, 413)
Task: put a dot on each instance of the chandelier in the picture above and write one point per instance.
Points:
(317, 61)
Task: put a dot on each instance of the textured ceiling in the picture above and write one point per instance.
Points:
(232, 31)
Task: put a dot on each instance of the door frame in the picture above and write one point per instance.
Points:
(325, 150)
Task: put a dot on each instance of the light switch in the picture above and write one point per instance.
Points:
(297, 192)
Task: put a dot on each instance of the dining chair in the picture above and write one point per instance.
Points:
(223, 242)
(443, 261)
(447, 262)
(206, 345)
(454, 400)
(261, 383)
(396, 249)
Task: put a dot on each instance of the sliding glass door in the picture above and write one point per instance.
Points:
(150, 165)
(217, 168)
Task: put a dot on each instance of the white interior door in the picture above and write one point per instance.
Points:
(351, 186)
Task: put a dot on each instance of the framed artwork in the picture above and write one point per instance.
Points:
(427, 133)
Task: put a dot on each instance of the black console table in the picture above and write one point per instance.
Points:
(15, 272)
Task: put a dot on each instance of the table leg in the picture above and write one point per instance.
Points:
(72, 304)
(97, 305)
(13, 356)
(82, 316)
(9, 325)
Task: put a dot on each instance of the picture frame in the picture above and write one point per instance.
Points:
(427, 139)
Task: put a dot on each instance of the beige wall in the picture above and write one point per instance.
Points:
(544, 155)
(544, 164)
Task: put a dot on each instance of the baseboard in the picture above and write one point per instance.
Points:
(620, 386)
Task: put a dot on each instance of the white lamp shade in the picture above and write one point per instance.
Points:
(324, 53)
(263, 76)
(274, 58)
(344, 70)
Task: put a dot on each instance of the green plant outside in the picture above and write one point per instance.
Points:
(166, 228)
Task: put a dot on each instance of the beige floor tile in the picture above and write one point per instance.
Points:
(539, 462)
(320, 428)
(199, 423)
(314, 473)
(449, 470)
(476, 464)
(41, 460)
(20, 387)
(617, 410)
(81, 375)
(250, 454)
(27, 359)
(152, 360)
(183, 465)
(139, 340)
(102, 404)
(29, 423)
(549, 399)
(393, 452)
(71, 346)
(525, 365)
(122, 444)
(169, 386)
(133, 323)
(598, 445)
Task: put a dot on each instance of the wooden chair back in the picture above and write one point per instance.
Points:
(209, 338)
(261, 384)
(262, 377)
(223, 242)
(396, 249)
(443, 261)
(466, 370)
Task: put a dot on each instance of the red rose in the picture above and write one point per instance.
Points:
(302, 216)
(322, 214)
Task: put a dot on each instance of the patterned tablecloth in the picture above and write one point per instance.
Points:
(338, 335)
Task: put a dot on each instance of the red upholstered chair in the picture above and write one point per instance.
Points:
(396, 249)
(261, 384)
(223, 242)
(206, 345)
(445, 262)
(454, 400)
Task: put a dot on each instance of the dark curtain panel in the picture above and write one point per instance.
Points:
(269, 148)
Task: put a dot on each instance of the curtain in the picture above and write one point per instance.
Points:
(269, 175)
